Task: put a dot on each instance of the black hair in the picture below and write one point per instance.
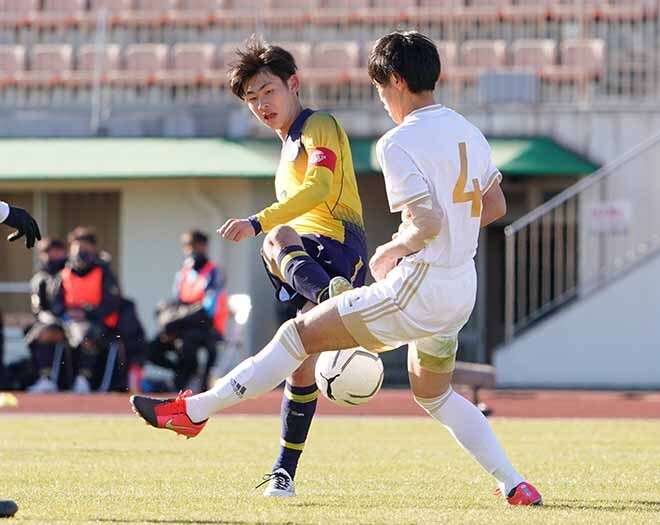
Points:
(409, 55)
(255, 58)
(194, 237)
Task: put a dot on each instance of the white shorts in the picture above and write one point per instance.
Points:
(414, 303)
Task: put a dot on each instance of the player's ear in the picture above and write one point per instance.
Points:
(294, 83)
(398, 82)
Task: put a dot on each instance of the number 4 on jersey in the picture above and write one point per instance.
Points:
(460, 195)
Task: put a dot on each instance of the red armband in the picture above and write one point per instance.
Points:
(322, 157)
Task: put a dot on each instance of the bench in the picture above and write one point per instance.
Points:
(475, 376)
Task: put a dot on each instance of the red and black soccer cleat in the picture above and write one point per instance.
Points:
(523, 494)
(167, 413)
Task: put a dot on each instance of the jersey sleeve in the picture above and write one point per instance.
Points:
(321, 142)
(403, 180)
(492, 175)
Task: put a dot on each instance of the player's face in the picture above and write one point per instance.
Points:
(271, 100)
(391, 97)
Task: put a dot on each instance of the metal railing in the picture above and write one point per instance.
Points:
(584, 237)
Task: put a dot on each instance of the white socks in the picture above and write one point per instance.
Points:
(473, 432)
(254, 376)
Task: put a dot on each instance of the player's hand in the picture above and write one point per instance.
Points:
(236, 230)
(25, 226)
(382, 263)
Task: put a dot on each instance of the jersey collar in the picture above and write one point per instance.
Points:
(295, 131)
(424, 109)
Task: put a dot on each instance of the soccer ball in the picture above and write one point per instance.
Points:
(349, 377)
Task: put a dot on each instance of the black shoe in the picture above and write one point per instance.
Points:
(7, 508)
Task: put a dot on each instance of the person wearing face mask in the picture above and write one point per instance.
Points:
(87, 300)
(45, 334)
(195, 318)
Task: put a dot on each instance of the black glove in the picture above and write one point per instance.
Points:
(25, 225)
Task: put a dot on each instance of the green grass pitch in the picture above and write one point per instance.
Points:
(355, 470)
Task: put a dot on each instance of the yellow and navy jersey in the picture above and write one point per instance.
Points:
(315, 183)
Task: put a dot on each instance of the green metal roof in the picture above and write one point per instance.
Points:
(142, 158)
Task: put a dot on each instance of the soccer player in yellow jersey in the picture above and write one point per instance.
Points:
(314, 231)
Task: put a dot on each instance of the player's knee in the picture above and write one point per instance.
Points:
(279, 237)
(431, 404)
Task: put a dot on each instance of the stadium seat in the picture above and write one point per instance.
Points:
(389, 11)
(50, 65)
(113, 6)
(523, 10)
(626, 10)
(60, 14)
(581, 60)
(535, 54)
(12, 63)
(114, 9)
(301, 51)
(17, 13)
(344, 12)
(142, 64)
(191, 64)
(198, 13)
(106, 58)
(150, 13)
(477, 56)
(447, 52)
(332, 62)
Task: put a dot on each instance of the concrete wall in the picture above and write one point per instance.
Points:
(610, 339)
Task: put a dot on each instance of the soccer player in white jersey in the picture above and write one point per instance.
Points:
(439, 174)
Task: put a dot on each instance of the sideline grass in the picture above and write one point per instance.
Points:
(355, 470)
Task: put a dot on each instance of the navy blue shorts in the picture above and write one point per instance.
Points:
(347, 259)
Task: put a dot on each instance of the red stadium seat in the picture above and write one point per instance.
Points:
(12, 63)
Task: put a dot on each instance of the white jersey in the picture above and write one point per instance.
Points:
(437, 152)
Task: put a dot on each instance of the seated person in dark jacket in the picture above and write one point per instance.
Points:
(46, 332)
(87, 301)
(197, 316)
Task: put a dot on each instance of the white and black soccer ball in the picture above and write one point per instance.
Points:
(349, 377)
